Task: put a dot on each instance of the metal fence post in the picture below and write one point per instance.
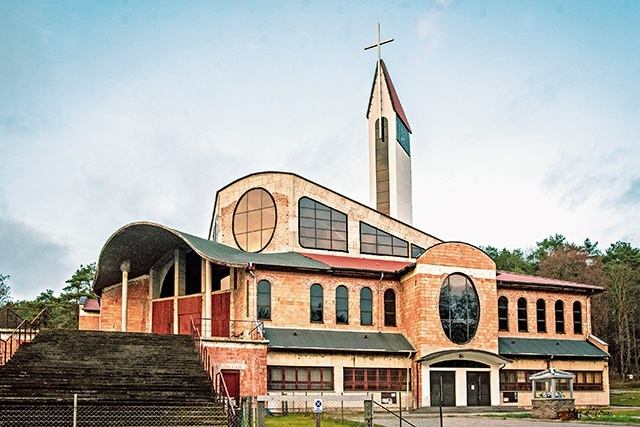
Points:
(261, 413)
(75, 409)
(368, 413)
(400, 406)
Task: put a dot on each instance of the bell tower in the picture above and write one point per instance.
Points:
(389, 146)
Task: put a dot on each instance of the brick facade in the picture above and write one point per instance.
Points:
(137, 307)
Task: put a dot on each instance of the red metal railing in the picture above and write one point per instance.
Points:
(24, 332)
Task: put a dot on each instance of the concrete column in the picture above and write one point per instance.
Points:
(125, 267)
(208, 312)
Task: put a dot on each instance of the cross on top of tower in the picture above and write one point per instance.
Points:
(379, 43)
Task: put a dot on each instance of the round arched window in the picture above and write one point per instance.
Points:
(459, 308)
(254, 220)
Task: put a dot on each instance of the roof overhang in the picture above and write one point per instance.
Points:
(318, 340)
(545, 348)
(142, 244)
(483, 356)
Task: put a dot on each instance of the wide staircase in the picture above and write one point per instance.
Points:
(122, 374)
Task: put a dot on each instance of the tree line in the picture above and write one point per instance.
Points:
(615, 313)
(62, 310)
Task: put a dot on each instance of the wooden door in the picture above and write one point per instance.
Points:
(220, 313)
(162, 318)
(189, 308)
(232, 381)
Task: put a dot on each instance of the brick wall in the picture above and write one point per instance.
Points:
(138, 305)
(550, 298)
(422, 296)
(290, 299)
(88, 321)
(249, 359)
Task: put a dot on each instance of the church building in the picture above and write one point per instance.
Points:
(300, 289)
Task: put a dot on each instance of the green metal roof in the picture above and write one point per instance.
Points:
(346, 341)
(534, 347)
(144, 243)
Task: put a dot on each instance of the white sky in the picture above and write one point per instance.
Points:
(525, 116)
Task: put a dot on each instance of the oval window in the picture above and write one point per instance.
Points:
(254, 220)
(459, 308)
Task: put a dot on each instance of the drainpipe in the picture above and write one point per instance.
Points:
(251, 268)
(380, 305)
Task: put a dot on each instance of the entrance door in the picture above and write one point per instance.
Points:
(443, 388)
(162, 318)
(478, 389)
(221, 312)
(232, 381)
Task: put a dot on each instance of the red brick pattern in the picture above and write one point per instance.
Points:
(137, 306)
(249, 359)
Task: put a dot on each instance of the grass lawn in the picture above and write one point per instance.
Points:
(627, 417)
(302, 420)
(625, 398)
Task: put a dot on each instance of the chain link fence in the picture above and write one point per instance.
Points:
(56, 415)
(336, 410)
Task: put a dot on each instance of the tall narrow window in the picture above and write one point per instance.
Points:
(577, 317)
(316, 303)
(264, 300)
(342, 305)
(522, 315)
(366, 307)
(559, 317)
(389, 308)
(541, 315)
(503, 313)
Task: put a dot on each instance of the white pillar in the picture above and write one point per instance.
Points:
(206, 323)
(125, 267)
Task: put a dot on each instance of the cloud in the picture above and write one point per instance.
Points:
(33, 261)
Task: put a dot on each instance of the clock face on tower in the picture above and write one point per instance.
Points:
(254, 220)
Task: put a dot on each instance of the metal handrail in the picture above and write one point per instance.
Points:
(395, 415)
(22, 331)
(209, 366)
(231, 328)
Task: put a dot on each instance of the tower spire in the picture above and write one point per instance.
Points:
(389, 145)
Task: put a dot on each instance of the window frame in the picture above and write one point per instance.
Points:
(559, 316)
(380, 238)
(334, 218)
(319, 297)
(390, 309)
(449, 320)
(523, 316)
(541, 316)
(299, 383)
(245, 246)
(375, 379)
(362, 307)
(503, 313)
(344, 299)
(265, 295)
(577, 318)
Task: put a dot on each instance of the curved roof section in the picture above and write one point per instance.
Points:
(495, 358)
(143, 243)
(303, 179)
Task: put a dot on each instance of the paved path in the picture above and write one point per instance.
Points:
(480, 421)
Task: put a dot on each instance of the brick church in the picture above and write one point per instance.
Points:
(300, 289)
